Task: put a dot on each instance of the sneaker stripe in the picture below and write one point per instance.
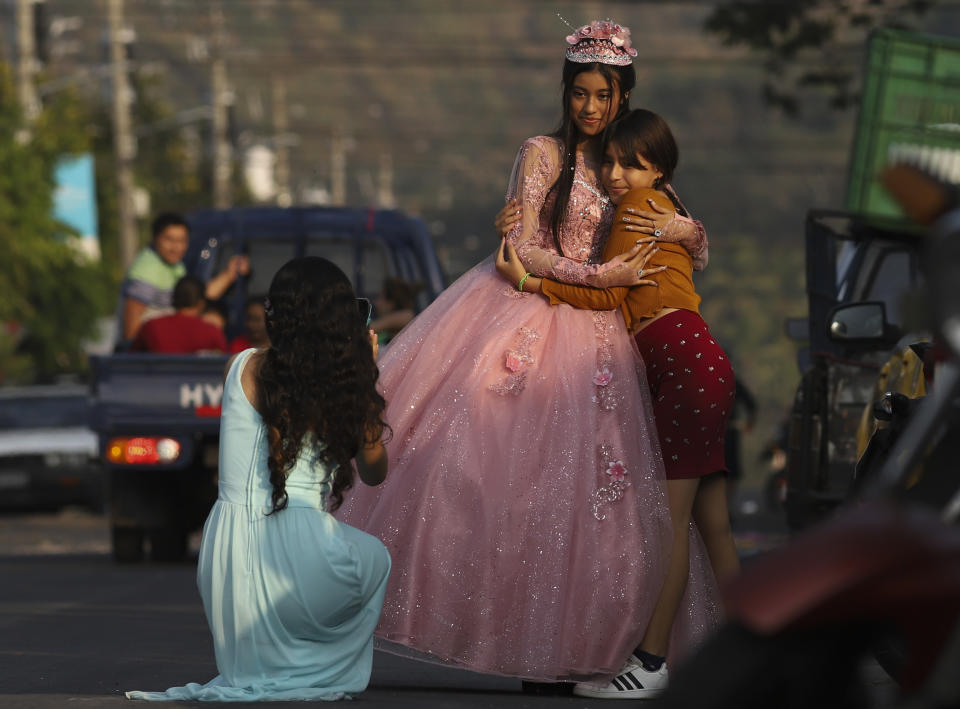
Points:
(619, 684)
(629, 676)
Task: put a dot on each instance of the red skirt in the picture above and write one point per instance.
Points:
(692, 386)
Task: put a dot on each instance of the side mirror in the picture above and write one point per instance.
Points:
(859, 322)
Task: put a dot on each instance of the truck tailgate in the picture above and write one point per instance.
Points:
(173, 393)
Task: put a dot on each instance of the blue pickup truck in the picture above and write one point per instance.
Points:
(157, 417)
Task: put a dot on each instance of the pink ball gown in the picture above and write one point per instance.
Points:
(525, 509)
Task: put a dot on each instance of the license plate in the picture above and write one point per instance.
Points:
(14, 480)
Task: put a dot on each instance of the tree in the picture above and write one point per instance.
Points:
(173, 170)
(806, 44)
(165, 167)
(50, 295)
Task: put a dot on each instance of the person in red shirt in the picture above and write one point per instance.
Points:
(215, 312)
(254, 327)
(185, 331)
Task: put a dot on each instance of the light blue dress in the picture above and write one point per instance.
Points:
(291, 598)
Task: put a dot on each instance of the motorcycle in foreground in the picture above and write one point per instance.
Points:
(883, 571)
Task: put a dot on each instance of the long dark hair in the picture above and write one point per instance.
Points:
(643, 132)
(621, 77)
(317, 383)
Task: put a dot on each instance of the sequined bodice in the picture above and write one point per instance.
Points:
(587, 221)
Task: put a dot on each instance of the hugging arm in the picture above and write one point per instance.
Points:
(620, 242)
(692, 236)
(582, 297)
(535, 171)
(674, 228)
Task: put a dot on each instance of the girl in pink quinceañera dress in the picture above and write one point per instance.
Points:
(526, 513)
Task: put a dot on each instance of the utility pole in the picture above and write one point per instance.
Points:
(27, 62)
(222, 156)
(124, 143)
(281, 167)
(338, 169)
(385, 196)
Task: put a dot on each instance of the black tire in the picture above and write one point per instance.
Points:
(127, 543)
(168, 545)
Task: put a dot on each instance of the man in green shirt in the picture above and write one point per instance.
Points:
(147, 289)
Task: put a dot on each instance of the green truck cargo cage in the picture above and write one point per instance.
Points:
(909, 111)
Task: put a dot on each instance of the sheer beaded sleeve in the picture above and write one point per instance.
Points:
(535, 171)
(689, 233)
(692, 236)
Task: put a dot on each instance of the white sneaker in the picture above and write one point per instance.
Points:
(633, 682)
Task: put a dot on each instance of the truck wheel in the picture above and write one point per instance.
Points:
(168, 545)
(127, 544)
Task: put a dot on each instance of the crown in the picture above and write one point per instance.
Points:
(601, 41)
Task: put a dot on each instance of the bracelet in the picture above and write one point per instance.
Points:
(522, 281)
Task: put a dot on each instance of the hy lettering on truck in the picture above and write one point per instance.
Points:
(204, 398)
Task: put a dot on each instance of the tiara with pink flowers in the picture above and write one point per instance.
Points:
(601, 41)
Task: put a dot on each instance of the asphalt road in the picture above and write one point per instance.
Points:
(80, 630)
(76, 629)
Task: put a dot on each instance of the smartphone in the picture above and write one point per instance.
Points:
(365, 308)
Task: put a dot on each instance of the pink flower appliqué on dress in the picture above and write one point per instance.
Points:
(617, 471)
(614, 490)
(607, 396)
(603, 377)
(515, 362)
